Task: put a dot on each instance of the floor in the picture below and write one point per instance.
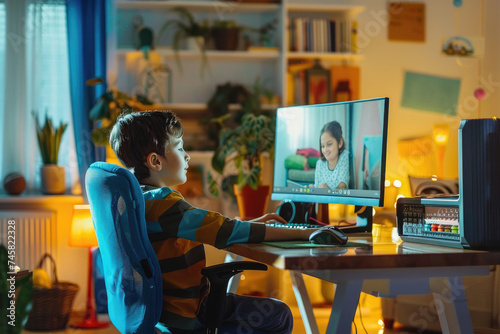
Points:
(367, 321)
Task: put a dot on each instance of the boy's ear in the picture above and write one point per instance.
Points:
(341, 143)
(153, 162)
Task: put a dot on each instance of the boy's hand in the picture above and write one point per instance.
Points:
(270, 218)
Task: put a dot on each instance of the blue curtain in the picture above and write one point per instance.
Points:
(86, 21)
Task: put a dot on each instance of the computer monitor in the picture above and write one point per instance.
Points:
(332, 153)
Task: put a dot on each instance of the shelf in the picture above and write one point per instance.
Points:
(185, 106)
(219, 7)
(237, 55)
(197, 107)
(305, 9)
(325, 55)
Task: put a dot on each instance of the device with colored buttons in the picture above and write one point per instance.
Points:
(435, 220)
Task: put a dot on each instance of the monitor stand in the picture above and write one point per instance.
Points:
(364, 218)
(300, 212)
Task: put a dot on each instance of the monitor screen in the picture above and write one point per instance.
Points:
(331, 153)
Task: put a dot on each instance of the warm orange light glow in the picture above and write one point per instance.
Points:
(441, 134)
(82, 232)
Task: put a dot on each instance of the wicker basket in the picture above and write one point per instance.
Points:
(51, 307)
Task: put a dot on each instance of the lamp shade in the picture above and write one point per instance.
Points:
(82, 232)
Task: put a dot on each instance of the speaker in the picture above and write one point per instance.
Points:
(479, 173)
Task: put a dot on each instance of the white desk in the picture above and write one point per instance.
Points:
(381, 269)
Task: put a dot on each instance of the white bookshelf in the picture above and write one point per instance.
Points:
(192, 90)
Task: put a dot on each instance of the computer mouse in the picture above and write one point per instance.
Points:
(328, 235)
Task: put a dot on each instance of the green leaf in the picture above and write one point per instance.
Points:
(213, 187)
(100, 110)
(49, 139)
(218, 161)
(24, 298)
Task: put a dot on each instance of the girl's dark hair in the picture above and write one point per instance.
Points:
(136, 135)
(335, 129)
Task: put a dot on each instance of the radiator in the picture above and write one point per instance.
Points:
(35, 235)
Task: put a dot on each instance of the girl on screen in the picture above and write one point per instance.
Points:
(332, 170)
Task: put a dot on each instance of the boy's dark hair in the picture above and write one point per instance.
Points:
(136, 135)
(335, 129)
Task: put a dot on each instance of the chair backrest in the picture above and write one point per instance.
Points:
(131, 269)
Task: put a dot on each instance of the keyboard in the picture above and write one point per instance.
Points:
(294, 225)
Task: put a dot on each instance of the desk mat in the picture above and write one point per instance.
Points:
(307, 244)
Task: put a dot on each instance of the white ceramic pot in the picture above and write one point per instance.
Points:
(53, 179)
(195, 43)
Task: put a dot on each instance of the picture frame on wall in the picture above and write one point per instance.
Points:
(318, 84)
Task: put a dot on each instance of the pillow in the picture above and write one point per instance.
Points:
(312, 162)
(305, 176)
(296, 161)
(309, 152)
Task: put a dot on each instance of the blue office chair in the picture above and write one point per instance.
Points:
(131, 269)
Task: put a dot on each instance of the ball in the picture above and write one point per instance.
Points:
(14, 183)
(479, 93)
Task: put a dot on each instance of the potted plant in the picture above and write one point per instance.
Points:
(188, 29)
(16, 293)
(226, 34)
(49, 139)
(245, 146)
(243, 142)
(265, 33)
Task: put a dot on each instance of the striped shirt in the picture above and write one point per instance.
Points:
(177, 232)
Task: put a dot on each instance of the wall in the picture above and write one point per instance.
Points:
(385, 62)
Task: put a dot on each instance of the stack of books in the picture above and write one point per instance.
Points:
(322, 35)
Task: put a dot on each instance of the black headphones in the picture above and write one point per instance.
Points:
(296, 212)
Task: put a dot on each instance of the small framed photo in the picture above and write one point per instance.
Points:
(318, 84)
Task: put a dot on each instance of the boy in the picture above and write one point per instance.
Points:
(150, 145)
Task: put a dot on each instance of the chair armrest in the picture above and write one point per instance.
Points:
(227, 270)
(218, 276)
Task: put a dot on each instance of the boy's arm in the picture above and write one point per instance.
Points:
(270, 218)
(279, 233)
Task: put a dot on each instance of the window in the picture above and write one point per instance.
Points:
(44, 88)
(2, 68)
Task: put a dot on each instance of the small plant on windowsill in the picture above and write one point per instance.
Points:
(49, 140)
